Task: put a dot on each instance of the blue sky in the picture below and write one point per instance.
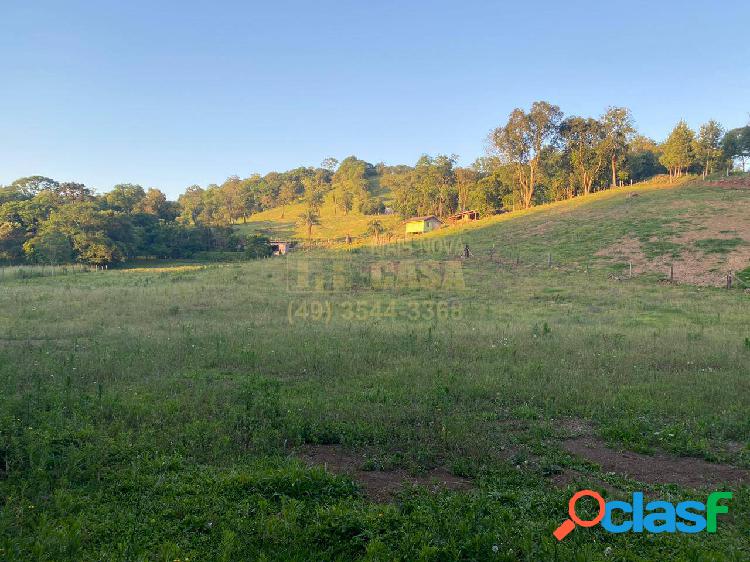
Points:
(168, 94)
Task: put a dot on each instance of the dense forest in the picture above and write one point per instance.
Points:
(537, 156)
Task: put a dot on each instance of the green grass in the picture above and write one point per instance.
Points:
(152, 414)
(718, 245)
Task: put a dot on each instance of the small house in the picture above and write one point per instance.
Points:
(281, 247)
(464, 216)
(420, 225)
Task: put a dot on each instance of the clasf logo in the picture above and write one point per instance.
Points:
(655, 517)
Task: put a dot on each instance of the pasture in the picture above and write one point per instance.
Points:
(232, 411)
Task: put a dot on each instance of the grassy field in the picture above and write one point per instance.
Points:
(172, 413)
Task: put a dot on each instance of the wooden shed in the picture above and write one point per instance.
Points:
(464, 216)
(420, 225)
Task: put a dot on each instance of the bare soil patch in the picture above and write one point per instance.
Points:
(627, 250)
(570, 476)
(656, 469)
(574, 427)
(693, 265)
(378, 485)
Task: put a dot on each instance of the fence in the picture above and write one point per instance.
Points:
(28, 271)
(734, 279)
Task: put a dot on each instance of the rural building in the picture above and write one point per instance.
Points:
(281, 247)
(464, 216)
(420, 225)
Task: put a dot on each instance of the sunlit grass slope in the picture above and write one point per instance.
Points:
(700, 231)
(282, 222)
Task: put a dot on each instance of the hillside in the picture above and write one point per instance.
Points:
(698, 230)
(282, 222)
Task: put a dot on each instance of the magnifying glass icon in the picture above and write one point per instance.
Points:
(569, 524)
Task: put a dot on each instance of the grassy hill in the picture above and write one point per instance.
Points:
(282, 222)
(698, 232)
(698, 229)
(387, 402)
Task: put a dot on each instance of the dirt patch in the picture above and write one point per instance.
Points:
(570, 476)
(694, 266)
(700, 267)
(574, 427)
(627, 250)
(656, 469)
(378, 485)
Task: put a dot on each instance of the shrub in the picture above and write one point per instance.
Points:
(257, 246)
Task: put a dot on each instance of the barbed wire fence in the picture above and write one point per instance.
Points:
(28, 271)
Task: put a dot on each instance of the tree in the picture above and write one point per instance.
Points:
(466, 180)
(155, 203)
(125, 197)
(314, 195)
(12, 237)
(96, 249)
(559, 177)
(441, 173)
(308, 219)
(86, 227)
(49, 247)
(191, 204)
(257, 246)
(736, 145)
(32, 185)
(642, 159)
(375, 228)
(330, 164)
(401, 181)
(345, 201)
(372, 206)
(213, 210)
(73, 191)
(248, 195)
(618, 131)
(351, 181)
(585, 147)
(232, 198)
(486, 196)
(708, 145)
(291, 189)
(521, 142)
(679, 150)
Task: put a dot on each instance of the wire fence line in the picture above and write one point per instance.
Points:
(10, 272)
(503, 257)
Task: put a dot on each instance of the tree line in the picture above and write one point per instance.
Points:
(49, 222)
(540, 156)
(537, 155)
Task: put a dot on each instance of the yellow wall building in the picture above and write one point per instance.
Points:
(420, 225)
